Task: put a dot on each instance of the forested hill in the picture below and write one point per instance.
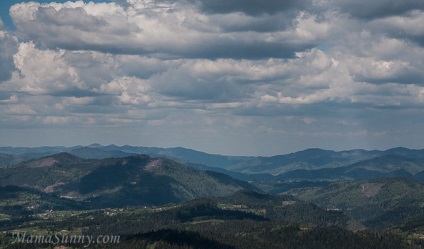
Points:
(113, 182)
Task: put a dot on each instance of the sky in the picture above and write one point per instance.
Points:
(234, 77)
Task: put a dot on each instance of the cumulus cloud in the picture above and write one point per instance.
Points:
(191, 71)
(381, 59)
(154, 30)
(405, 26)
(45, 72)
(8, 47)
(91, 78)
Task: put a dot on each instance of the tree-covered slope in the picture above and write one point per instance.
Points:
(112, 182)
(379, 202)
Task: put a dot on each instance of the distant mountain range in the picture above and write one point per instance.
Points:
(382, 166)
(315, 165)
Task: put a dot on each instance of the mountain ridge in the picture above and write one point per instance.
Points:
(242, 167)
(130, 181)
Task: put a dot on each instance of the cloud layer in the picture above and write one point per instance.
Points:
(167, 30)
(336, 74)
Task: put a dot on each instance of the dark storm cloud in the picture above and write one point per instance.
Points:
(366, 9)
(406, 27)
(238, 36)
(261, 24)
(186, 87)
(419, 39)
(72, 28)
(245, 49)
(250, 7)
(217, 47)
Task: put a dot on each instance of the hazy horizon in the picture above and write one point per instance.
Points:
(210, 152)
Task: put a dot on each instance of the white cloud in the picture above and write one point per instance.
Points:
(129, 90)
(8, 46)
(43, 71)
(190, 73)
